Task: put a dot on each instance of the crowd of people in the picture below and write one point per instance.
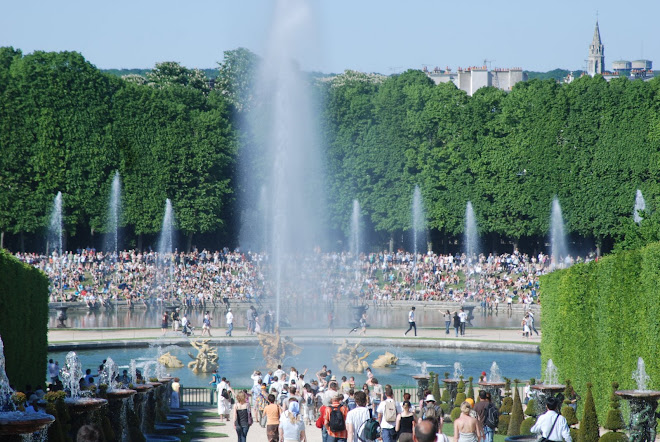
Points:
(289, 406)
(203, 278)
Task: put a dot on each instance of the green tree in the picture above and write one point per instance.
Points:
(516, 412)
(589, 430)
(236, 78)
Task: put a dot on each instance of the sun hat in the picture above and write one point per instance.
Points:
(429, 398)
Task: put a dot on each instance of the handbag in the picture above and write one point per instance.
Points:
(545, 439)
(250, 421)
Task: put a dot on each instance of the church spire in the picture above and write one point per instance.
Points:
(596, 62)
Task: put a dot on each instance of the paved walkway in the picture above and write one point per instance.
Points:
(60, 336)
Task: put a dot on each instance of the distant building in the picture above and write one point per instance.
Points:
(621, 68)
(473, 78)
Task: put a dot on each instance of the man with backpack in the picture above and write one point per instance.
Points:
(357, 419)
(487, 415)
(430, 409)
(334, 420)
(387, 411)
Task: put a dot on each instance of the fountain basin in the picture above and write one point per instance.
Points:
(638, 394)
(120, 393)
(185, 411)
(83, 404)
(141, 388)
(177, 419)
(493, 384)
(165, 428)
(17, 422)
(156, 384)
(548, 387)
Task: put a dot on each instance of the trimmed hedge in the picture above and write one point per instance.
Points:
(24, 323)
(599, 317)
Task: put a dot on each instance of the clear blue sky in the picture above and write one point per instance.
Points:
(383, 36)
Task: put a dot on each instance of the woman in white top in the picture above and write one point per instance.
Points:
(292, 427)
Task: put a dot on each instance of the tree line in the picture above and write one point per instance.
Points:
(66, 126)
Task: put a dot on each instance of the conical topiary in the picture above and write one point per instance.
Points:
(470, 391)
(507, 387)
(589, 431)
(516, 413)
(431, 380)
(614, 420)
(435, 391)
(461, 386)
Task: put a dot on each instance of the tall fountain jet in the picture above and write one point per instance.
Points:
(55, 226)
(640, 206)
(558, 246)
(114, 213)
(166, 241)
(418, 220)
(355, 230)
(471, 233)
(294, 184)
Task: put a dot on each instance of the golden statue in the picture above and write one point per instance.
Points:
(207, 358)
(170, 361)
(351, 358)
(385, 360)
(275, 348)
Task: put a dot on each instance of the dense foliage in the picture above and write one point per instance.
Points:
(65, 125)
(24, 303)
(596, 315)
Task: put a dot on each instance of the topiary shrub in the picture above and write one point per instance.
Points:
(445, 407)
(516, 414)
(460, 398)
(24, 324)
(455, 413)
(614, 420)
(507, 405)
(470, 391)
(435, 391)
(445, 396)
(612, 436)
(527, 424)
(507, 387)
(503, 425)
(55, 406)
(589, 431)
(532, 408)
(460, 388)
(569, 414)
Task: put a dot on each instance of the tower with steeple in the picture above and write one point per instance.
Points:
(596, 62)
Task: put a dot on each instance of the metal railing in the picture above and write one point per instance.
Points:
(198, 396)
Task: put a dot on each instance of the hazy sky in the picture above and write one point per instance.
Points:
(383, 36)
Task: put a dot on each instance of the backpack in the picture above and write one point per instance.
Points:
(336, 421)
(389, 414)
(369, 430)
(492, 416)
(350, 403)
(431, 412)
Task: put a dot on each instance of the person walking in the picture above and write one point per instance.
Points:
(466, 427)
(551, 425)
(457, 323)
(411, 321)
(462, 315)
(447, 317)
(530, 322)
(357, 416)
(292, 427)
(206, 324)
(405, 423)
(272, 412)
(230, 322)
(487, 415)
(241, 416)
(388, 412)
(334, 419)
